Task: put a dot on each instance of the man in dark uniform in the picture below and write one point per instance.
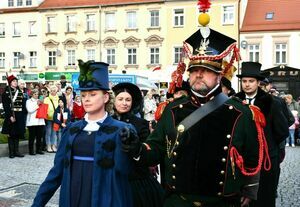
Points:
(209, 144)
(276, 129)
(14, 122)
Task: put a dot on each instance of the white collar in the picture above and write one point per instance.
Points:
(251, 97)
(92, 124)
(201, 96)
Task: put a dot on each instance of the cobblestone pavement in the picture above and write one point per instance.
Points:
(289, 183)
(21, 177)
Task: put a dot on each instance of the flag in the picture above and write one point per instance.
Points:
(156, 68)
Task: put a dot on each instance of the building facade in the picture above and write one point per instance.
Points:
(272, 38)
(142, 37)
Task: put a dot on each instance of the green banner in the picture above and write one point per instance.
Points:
(56, 75)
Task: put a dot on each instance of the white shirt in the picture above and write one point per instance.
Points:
(250, 99)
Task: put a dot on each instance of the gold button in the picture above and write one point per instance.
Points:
(173, 187)
(180, 106)
(219, 193)
(174, 166)
(228, 136)
(223, 160)
(225, 148)
(174, 153)
(173, 177)
(230, 107)
(221, 183)
(177, 143)
(222, 172)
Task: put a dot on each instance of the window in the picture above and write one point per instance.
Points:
(269, 15)
(280, 53)
(19, 2)
(111, 56)
(52, 58)
(228, 15)
(177, 54)
(17, 29)
(32, 28)
(131, 56)
(131, 20)
(254, 53)
(90, 22)
(154, 55)
(91, 54)
(10, 3)
(110, 21)
(50, 24)
(178, 17)
(2, 59)
(154, 18)
(71, 57)
(28, 2)
(16, 60)
(32, 59)
(71, 23)
(2, 30)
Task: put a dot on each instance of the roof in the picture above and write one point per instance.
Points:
(17, 10)
(285, 15)
(50, 4)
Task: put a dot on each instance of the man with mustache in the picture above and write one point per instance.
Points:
(209, 145)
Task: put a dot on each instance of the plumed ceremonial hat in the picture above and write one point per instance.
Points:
(209, 52)
(93, 76)
(207, 48)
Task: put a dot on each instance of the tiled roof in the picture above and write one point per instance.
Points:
(17, 10)
(47, 4)
(286, 15)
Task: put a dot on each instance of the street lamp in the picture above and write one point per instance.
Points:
(22, 72)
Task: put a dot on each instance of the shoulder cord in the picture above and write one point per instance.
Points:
(263, 155)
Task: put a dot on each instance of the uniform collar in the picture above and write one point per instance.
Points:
(199, 99)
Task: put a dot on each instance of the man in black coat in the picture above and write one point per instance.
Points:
(276, 129)
(14, 122)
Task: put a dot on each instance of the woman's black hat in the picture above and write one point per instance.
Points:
(132, 89)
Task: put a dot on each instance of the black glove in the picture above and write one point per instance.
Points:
(130, 142)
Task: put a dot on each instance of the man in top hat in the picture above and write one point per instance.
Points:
(276, 129)
(202, 138)
(14, 122)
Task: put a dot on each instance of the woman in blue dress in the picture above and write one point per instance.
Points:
(90, 166)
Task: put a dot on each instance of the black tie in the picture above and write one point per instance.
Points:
(249, 100)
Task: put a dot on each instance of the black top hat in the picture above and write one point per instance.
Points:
(251, 69)
(93, 76)
(133, 90)
(209, 52)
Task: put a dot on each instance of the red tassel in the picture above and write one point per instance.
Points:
(203, 5)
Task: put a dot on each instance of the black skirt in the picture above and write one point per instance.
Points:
(147, 192)
(82, 170)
